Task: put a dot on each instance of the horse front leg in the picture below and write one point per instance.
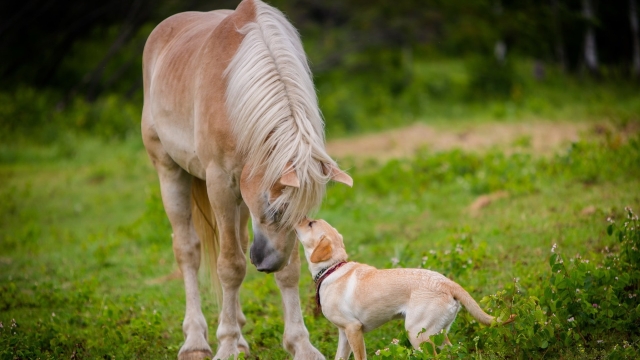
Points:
(175, 186)
(231, 265)
(296, 336)
(243, 236)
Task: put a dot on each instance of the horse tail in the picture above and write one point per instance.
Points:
(473, 308)
(205, 225)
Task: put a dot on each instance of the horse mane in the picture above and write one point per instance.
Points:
(274, 111)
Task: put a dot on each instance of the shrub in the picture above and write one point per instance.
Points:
(582, 307)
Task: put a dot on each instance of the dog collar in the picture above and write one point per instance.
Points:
(320, 278)
(322, 271)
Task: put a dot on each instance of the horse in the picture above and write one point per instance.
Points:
(232, 126)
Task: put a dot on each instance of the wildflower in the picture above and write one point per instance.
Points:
(595, 305)
(577, 290)
(1, 326)
(378, 352)
(553, 248)
(13, 323)
(395, 341)
(394, 261)
(609, 219)
(599, 341)
(53, 314)
(432, 252)
(571, 319)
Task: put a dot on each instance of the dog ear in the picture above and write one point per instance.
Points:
(322, 251)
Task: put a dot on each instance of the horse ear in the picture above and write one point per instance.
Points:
(322, 252)
(337, 174)
(290, 178)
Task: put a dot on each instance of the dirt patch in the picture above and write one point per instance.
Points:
(486, 200)
(539, 137)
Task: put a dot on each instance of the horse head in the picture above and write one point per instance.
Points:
(273, 235)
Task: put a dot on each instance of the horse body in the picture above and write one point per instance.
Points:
(231, 124)
(173, 57)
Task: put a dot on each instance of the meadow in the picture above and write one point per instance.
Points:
(85, 246)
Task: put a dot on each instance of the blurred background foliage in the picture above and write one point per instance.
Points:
(76, 65)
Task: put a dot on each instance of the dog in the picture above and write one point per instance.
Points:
(358, 298)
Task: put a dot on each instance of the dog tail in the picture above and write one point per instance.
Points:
(474, 309)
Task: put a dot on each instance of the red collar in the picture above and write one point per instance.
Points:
(327, 272)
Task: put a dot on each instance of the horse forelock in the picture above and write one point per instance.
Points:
(273, 108)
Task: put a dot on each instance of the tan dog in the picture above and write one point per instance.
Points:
(358, 298)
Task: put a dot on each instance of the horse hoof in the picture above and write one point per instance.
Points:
(195, 355)
(244, 349)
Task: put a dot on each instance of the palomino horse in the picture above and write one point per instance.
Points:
(231, 119)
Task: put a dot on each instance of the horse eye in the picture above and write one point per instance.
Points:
(277, 216)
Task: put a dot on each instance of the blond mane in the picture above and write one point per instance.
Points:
(273, 107)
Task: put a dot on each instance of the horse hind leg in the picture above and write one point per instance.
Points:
(175, 186)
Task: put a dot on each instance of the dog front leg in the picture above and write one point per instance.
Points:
(344, 350)
(356, 341)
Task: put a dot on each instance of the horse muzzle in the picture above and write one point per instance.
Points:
(264, 256)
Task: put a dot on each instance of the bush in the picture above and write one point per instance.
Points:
(488, 77)
(38, 116)
(581, 307)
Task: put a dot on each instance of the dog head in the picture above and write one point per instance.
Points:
(322, 243)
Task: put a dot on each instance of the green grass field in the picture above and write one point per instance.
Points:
(84, 237)
(85, 244)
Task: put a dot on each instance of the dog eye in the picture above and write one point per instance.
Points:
(311, 223)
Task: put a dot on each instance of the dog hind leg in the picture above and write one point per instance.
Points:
(356, 341)
(344, 350)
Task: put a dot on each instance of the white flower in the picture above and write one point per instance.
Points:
(378, 352)
(553, 248)
(395, 341)
(571, 319)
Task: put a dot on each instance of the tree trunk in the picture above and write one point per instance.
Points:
(633, 18)
(590, 49)
(559, 39)
(500, 47)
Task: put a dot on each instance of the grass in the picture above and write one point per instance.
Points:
(84, 237)
(84, 234)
